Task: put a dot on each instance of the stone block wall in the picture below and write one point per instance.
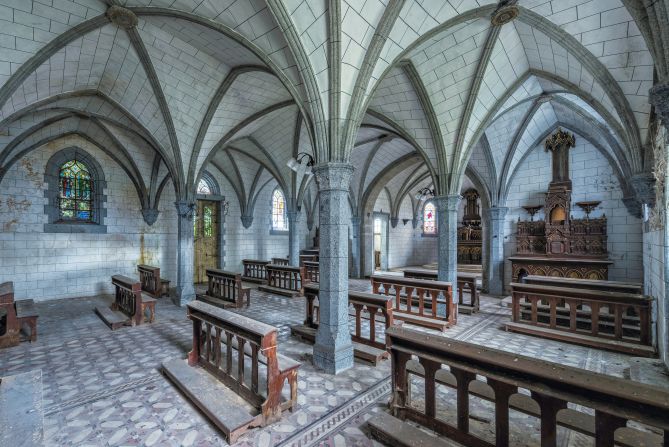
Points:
(592, 179)
(47, 266)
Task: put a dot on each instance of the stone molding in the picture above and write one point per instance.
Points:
(185, 209)
(150, 215)
(247, 221)
(448, 202)
(122, 17)
(505, 13)
(495, 213)
(333, 176)
(644, 186)
(658, 96)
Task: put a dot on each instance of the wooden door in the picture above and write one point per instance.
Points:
(205, 229)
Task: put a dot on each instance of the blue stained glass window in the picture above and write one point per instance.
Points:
(75, 192)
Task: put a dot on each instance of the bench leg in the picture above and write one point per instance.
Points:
(33, 331)
(292, 380)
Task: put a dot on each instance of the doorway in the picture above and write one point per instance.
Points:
(205, 231)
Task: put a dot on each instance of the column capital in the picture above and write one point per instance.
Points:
(644, 186)
(355, 220)
(185, 209)
(293, 215)
(495, 213)
(658, 96)
(449, 201)
(333, 176)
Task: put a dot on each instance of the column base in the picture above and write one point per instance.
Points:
(333, 359)
(184, 295)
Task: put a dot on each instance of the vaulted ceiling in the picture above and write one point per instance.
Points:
(426, 91)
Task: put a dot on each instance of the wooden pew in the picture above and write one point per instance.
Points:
(308, 258)
(280, 261)
(593, 284)
(367, 347)
(465, 281)
(605, 320)
(421, 302)
(17, 314)
(151, 282)
(312, 271)
(254, 271)
(284, 280)
(129, 306)
(551, 388)
(225, 289)
(224, 365)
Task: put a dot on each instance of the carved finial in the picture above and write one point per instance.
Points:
(506, 11)
(122, 17)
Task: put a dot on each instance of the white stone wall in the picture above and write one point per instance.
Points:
(47, 266)
(592, 179)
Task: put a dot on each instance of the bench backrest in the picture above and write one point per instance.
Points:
(224, 285)
(218, 335)
(280, 261)
(624, 310)
(149, 278)
(255, 269)
(128, 297)
(286, 277)
(308, 257)
(312, 271)
(370, 303)
(422, 290)
(577, 283)
(7, 292)
(551, 385)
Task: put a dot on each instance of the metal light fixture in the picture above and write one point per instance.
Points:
(424, 193)
(296, 164)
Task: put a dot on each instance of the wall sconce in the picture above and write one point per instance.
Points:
(296, 164)
(424, 193)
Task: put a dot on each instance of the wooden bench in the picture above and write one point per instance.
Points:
(130, 305)
(466, 280)
(421, 302)
(254, 271)
(286, 280)
(593, 284)
(17, 314)
(229, 387)
(499, 376)
(606, 320)
(311, 271)
(151, 282)
(279, 261)
(225, 289)
(366, 346)
(308, 258)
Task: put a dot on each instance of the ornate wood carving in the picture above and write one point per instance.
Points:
(470, 232)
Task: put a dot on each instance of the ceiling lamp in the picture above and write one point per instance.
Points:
(424, 193)
(296, 164)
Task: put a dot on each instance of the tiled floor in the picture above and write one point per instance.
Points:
(105, 388)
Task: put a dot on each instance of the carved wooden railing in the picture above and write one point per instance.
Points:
(365, 306)
(465, 281)
(430, 301)
(227, 287)
(589, 314)
(551, 386)
(254, 270)
(220, 335)
(593, 284)
(311, 271)
(279, 261)
(128, 298)
(286, 277)
(149, 278)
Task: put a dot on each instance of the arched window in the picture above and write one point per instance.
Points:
(203, 187)
(279, 221)
(75, 188)
(429, 219)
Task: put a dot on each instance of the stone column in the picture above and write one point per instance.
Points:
(355, 246)
(447, 226)
(493, 270)
(333, 351)
(184, 290)
(294, 237)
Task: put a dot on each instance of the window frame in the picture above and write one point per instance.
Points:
(274, 229)
(435, 233)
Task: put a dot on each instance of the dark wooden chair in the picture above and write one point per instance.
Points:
(130, 305)
(284, 280)
(14, 315)
(151, 282)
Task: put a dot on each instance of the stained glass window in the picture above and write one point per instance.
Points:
(203, 187)
(279, 211)
(429, 218)
(75, 192)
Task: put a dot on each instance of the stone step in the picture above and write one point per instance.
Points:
(417, 320)
(279, 291)
(112, 318)
(22, 410)
(225, 409)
